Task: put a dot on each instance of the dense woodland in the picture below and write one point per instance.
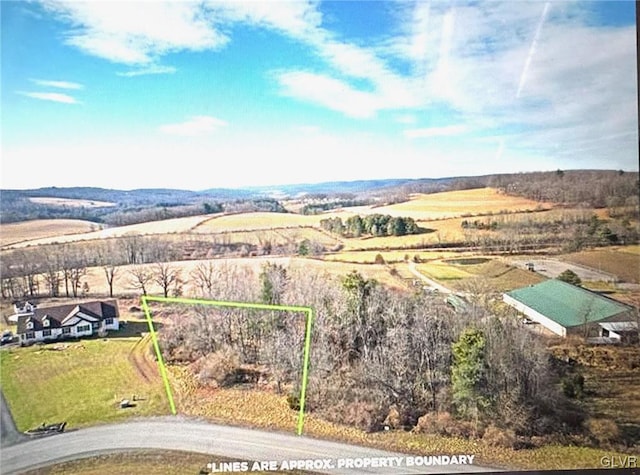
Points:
(379, 357)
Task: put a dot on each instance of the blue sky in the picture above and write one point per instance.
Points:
(225, 94)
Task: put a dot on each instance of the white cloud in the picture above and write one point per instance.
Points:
(429, 132)
(328, 92)
(137, 33)
(57, 84)
(49, 96)
(198, 125)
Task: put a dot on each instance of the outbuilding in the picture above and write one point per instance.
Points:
(565, 309)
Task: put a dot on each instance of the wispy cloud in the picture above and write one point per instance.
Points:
(57, 84)
(195, 126)
(50, 96)
(153, 69)
(428, 132)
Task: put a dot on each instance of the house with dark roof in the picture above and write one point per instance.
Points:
(68, 321)
(566, 309)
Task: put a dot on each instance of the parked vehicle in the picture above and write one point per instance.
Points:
(7, 337)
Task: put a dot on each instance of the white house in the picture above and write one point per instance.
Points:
(68, 321)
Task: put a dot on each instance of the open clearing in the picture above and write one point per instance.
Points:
(70, 202)
(13, 233)
(623, 262)
(78, 382)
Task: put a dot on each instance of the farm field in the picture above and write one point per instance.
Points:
(451, 204)
(368, 257)
(622, 261)
(79, 382)
(70, 202)
(256, 221)
(495, 273)
(13, 233)
(95, 277)
(168, 226)
(276, 236)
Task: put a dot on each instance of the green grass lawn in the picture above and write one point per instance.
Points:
(82, 383)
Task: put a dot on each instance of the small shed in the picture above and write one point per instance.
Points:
(619, 331)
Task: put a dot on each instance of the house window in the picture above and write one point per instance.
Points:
(66, 330)
(108, 321)
(46, 332)
(29, 325)
(30, 335)
(95, 325)
(83, 328)
(45, 322)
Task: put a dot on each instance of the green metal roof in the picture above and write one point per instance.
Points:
(567, 304)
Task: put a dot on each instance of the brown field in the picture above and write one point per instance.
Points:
(618, 261)
(276, 236)
(43, 229)
(368, 257)
(168, 226)
(451, 204)
(95, 277)
(71, 203)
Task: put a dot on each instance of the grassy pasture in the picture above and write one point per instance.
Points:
(623, 262)
(13, 233)
(81, 383)
(70, 202)
(442, 271)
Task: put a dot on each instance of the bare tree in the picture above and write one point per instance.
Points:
(166, 276)
(141, 277)
(204, 278)
(110, 275)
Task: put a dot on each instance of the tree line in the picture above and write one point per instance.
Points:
(371, 225)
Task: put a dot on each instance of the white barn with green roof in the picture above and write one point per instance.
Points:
(563, 308)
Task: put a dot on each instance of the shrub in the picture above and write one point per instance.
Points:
(219, 368)
(379, 259)
(573, 386)
(497, 437)
(604, 431)
(393, 418)
(443, 423)
(293, 400)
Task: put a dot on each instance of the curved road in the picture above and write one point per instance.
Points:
(177, 433)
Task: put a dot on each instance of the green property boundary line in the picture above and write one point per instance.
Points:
(223, 303)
